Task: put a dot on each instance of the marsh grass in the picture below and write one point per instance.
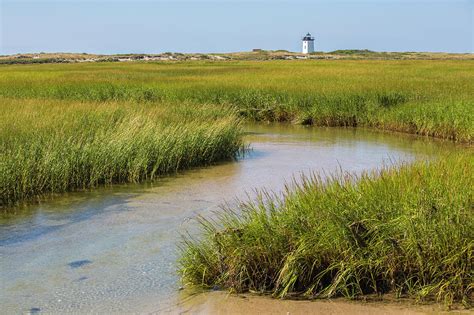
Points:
(426, 97)
(56, 146)
(407, 230)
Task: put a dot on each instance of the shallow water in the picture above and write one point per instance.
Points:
(115, 249)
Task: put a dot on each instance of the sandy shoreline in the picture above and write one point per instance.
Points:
(223, 303)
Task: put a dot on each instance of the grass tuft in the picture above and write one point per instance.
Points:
(52, 147)
(407, 230)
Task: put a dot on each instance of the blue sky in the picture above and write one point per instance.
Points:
(126, 26)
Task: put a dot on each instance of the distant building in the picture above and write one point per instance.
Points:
(308, 44)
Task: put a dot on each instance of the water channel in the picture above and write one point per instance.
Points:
(114, 249)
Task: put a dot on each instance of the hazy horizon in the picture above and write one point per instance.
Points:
(124, 26)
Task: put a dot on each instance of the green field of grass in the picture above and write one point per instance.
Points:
(426, 97)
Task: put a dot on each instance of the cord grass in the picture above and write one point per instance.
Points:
(427, 97)
(49, 146)
(408, 230)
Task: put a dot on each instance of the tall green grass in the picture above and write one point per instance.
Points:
(407, 230)
(426, 97)
(56, 146)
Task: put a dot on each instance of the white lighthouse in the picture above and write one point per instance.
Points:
(308, 44)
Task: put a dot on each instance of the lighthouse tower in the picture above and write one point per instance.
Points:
(308, 44)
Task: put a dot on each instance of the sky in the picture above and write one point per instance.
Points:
(155, 26)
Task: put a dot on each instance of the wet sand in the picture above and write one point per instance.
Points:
(223, 303)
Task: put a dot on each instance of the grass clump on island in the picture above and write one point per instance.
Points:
(406, 230)
(49, 146)
(426, 97)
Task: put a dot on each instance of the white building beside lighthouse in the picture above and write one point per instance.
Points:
(308, 44)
